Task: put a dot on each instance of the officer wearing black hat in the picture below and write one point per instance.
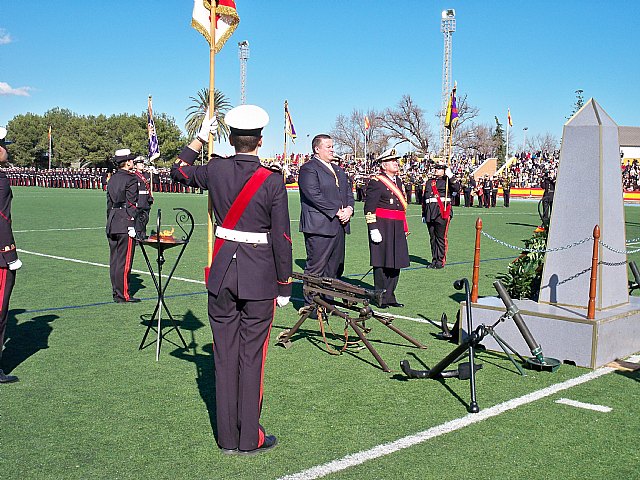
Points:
(437, 211)
(122, 201)
(250, 270)
(9, 261)
(385, 213)
(145, 197)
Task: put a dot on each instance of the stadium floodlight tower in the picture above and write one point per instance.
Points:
(243, 54)
(448, 26)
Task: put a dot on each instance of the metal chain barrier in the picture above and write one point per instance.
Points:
(588, 269)
(522, 249)
(566, 247)
(622, 252)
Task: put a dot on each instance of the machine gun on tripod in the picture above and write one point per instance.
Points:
(327, 295)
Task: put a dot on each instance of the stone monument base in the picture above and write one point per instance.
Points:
(564, 333)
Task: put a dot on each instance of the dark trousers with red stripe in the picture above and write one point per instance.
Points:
(121, 251)
(240, 336)
(7, 281)
(438, 238)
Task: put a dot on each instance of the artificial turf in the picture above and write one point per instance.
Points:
(89, 404)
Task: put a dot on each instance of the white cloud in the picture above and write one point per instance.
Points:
(6, 89)
(5, 37)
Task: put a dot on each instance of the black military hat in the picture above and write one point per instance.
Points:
(3, 140)
(439, 166)
(140, 159)
(246, 120)
(122, 156)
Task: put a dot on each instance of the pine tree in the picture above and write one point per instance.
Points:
(499, 142)
(579, 103)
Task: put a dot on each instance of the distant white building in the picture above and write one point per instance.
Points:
(629, 138)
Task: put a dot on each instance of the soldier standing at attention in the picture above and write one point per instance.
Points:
(250, 271)
(506, 189)
(122, 200)
(9, 261)
(145, 198)
(385, 214)
(437, 212)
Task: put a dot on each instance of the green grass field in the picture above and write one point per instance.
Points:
(90, 405)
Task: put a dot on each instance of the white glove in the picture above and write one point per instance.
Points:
(131, 232)
(209, 125)
(375, 235)
(282, 301)
(448, 172)
(15, 265)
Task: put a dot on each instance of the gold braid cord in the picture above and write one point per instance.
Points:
(228, 15)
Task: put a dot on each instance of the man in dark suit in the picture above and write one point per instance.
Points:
(385, 214)
(327, 202)
(250, 271)
(9, 261)
(122, 201)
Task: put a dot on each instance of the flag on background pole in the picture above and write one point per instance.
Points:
(451, 116)
(226, 20)
(509, 117)
(367, 124)
(289, 128)
(50, 146)
(154, 148)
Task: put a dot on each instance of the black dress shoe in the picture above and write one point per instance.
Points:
(229, 451)
(396, 304)
(4, 378)
(270, 441)
(122, 300)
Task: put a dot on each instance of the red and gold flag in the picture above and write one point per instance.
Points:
(227, 20)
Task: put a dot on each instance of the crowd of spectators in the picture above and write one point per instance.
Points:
(527, 170)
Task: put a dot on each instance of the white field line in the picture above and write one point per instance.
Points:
(84, 262)
(293, 220)
(448, 427)
(586, 406)
(182, 279)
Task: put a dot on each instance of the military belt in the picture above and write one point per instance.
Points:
(241, 237)
(435, 199)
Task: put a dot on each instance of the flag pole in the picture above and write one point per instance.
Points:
(148, 134)
(212, 65)
(365, 149)
(50, 149)
(284, 155)
(506, 153)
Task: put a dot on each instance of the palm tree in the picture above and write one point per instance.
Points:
(197, 110)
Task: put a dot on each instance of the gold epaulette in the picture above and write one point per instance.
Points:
(370, 217)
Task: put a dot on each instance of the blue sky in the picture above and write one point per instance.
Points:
(326, 58)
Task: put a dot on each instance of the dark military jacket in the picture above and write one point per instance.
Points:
(264, 270)
(393, 251)
(122, 200)
(431, 209)
(7, 243)
(145, 198)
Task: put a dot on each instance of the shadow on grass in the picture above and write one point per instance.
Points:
(25, 339)
(419, 260)
(202, 359)
(441, 381)
(631, 375)
(135, 283)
